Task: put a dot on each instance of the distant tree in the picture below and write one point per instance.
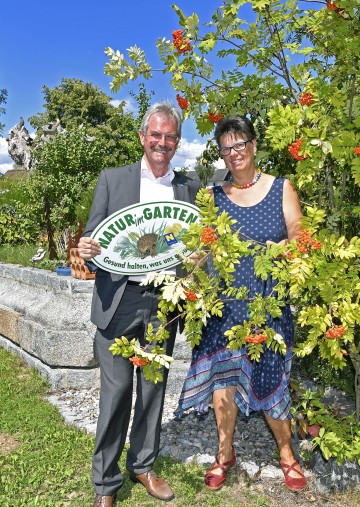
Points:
(3, 96)
(204, 169)
(143, 101)
(64, 169)
(184, 170)
(76, 103)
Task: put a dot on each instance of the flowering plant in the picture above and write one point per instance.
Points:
(182, 101)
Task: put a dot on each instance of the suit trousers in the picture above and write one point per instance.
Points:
(137, 309)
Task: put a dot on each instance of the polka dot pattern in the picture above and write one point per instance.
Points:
(259, 385)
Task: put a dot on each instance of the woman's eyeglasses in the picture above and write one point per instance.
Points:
(240, 146)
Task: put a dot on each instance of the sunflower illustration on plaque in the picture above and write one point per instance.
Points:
(144, 237)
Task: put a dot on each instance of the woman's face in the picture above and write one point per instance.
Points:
(238, 162)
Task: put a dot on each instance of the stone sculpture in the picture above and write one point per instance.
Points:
(19, 146)
(20, 142)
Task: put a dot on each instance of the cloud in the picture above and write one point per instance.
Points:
(116, 102)
(6, 162)
(128, 104)
(130, 107)
(187, 153)
(219, 164)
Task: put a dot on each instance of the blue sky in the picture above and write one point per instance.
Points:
(44, 41)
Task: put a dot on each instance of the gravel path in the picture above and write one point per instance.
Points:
(191, 438)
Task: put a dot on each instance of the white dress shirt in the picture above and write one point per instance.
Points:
(154, 189)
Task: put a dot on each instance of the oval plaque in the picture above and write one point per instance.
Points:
(144, 237)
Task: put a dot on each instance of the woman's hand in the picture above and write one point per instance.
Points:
(198, 258)
(88, 248)
(283, 242)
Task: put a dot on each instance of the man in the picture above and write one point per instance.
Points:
(121, 307)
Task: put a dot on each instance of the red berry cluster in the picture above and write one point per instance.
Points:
(182, 45)
(333, 7)
(294, 149)
(182, 101)
(138, 361)
(191, 296)
(256, 335)
(208, 235)
(335, 332)
(305, 242)
(215, 118)
(255, 338)
(306, 99)
(357, 150)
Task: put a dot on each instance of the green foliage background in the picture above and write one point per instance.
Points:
(3, 96)
(75, 103)
(57, 195)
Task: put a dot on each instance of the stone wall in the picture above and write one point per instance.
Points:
(44, 318)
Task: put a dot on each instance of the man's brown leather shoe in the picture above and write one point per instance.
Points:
(154, 485)
(104, 500)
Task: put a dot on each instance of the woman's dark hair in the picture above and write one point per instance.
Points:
(235, 124)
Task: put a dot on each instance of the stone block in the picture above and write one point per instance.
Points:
(58, 378)
(9, 323)
(69, 348)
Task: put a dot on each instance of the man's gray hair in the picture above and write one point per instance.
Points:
(167, 109)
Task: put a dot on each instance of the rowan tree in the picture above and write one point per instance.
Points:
(293, 68)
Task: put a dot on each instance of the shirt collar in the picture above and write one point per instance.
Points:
(147, 173)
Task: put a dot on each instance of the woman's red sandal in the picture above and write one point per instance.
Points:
(216, 481)
(293, 483)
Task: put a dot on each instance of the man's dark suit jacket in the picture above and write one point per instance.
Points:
(116, 189)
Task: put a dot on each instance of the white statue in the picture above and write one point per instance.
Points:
(19, 146)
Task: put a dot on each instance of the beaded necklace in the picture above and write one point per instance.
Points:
(248, 185)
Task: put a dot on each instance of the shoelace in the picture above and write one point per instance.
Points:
(151, 474)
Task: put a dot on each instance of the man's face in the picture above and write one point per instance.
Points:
(159, 142)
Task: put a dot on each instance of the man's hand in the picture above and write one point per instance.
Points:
(88, 248)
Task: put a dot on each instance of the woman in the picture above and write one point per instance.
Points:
(267, 210)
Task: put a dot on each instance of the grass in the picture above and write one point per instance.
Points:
(46, 462)
(12, 189)
(18, 254)
(22, 255)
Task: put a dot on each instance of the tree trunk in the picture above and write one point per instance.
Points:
(49, 230)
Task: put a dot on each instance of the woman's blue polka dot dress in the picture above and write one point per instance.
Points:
(260, 385)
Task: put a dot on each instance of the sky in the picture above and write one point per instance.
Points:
(43, 42)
